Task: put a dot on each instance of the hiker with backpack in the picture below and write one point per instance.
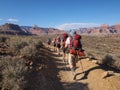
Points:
(49, 42)
(73, 42)
(54, 44)
(64, 37)
(58, 44)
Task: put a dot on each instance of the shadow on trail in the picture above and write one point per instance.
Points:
(86, 73)
(54, 55)
(44, 73)
(64, 67)
(76, 86)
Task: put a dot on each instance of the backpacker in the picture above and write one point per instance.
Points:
(77, 37)
(77, 52)
(64, 37)
(75, 45)
(75, 42)
(49, 41)
(58, 40)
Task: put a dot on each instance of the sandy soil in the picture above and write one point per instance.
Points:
(92, 79)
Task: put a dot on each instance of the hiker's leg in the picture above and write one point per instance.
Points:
(58, 49)
(50, 46)
(71, 59)
(72, 65)
(55, 47)
(74, 62)
(63, 55)
(67, 58)
(63, 49)
(67, 55)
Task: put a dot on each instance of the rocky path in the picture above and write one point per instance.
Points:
(92, 79)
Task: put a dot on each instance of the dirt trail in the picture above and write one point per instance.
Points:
(90, 80)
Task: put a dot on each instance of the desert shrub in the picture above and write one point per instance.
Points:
(29, 52)
(3, 38)
(111, 61)
(107, 60)
(32, 49)
(16, 45)
(38, 44)
(13, 72)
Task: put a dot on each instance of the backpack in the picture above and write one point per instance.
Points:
(75, 42)
(58, 40)
(64, 37)
(76, 46)
(77, 37)
(49, 41)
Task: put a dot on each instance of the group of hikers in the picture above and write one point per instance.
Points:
(71, 46)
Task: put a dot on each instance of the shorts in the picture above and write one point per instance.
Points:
(48, 43)
(64, 49)
(67, 50)
(54, 44)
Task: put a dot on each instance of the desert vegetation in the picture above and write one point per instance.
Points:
(25, 65)
(104, 49)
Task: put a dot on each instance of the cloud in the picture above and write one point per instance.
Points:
(12, 20)
(68, 26)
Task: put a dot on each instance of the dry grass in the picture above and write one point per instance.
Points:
(21, 49)
(24, 66)
(13, 72)
(104, 49)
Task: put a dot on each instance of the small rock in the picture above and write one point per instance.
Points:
(30, 67)
(105, 74)
(95, 61)
(88, 59)
(117, 74)
(31, 63)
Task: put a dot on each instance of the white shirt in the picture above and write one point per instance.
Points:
(67, 42)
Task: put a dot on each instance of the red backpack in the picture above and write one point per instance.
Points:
(77, 37)
(64, 36)
(58, 40)
(75, 42)
(75, 45)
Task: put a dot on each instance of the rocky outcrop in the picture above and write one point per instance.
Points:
(12, 29)
(102, 30)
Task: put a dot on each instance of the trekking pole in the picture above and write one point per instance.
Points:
(65, 65)
(65, 61)
(81, 66)
(80, 63)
